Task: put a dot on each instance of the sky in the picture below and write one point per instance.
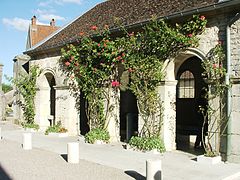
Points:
(15, 17)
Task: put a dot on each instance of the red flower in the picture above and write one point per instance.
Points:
(202, 18)
(123, 61)
(67, 63)
(119, 58)
(104, 44)
(115, 84)
(81, 33)
(99, 44)
(189, 35)
(123, 54)
(94, 28)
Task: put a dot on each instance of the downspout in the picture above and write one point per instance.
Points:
(227, 80)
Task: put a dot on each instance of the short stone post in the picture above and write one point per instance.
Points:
(73, 152)
(27, 141)
(153, 170)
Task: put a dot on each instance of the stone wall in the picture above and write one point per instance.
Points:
(65, 110)
(2, 98)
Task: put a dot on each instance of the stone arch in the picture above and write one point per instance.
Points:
(184, 55)
(46, 98)
(187, 119)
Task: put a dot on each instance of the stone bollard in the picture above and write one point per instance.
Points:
(73, 152)
(153, 170)
(27, 141)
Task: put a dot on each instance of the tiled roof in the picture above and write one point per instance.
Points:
(41, 32)
(128, 11)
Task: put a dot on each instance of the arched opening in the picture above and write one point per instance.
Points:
(128, 115)
(189, 87)
(52, 94)
(84, 126)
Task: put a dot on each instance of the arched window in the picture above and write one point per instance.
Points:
(186, 86)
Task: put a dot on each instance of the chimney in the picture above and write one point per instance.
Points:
(52, 23)
(34, 20)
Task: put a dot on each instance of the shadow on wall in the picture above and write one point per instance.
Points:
(3, 174)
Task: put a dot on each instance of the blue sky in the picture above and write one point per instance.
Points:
(15, 16)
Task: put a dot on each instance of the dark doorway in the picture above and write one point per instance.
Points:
(128, 115)
(84, 127)
(190, 84)
(52, 84)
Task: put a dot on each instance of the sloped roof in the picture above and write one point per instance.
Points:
(127, 11)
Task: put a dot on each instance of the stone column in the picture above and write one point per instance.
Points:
(113, 118)
(18, 69)
(167, 93)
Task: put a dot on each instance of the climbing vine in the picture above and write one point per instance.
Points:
(26, 87)
(214, 115)
(93, 67)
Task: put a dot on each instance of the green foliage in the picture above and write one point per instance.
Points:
(56, 129)
(147, 143)
(33, 126)
(26, 88)
(6, 87)
(93, 66)
(97, 134)
(146, 53)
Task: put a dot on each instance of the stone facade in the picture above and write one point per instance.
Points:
(61, 104)
(64, 103)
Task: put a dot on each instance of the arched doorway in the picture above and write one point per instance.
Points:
(190, 84)
(52, 96)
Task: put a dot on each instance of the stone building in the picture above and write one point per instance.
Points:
(54, 98)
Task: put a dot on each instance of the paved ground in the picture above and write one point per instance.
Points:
(110, 161)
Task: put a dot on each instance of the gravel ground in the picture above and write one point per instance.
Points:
(19, 164)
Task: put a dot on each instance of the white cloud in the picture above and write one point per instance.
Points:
(47, 15)
(59, 2)
(17, 23)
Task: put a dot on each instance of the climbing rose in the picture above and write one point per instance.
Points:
(67, 63)
(115, 84)
(202, 18)
(190, 35)
(215, 65)
(94, 28)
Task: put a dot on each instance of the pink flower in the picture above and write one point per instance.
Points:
(119, 58)
(99, 44)
(123, 61)
(202, 18)
(131, 34)
(115, 84)
(189, 35)
(94, 28)
(67, 63)
(130, 70)
(215, 65)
